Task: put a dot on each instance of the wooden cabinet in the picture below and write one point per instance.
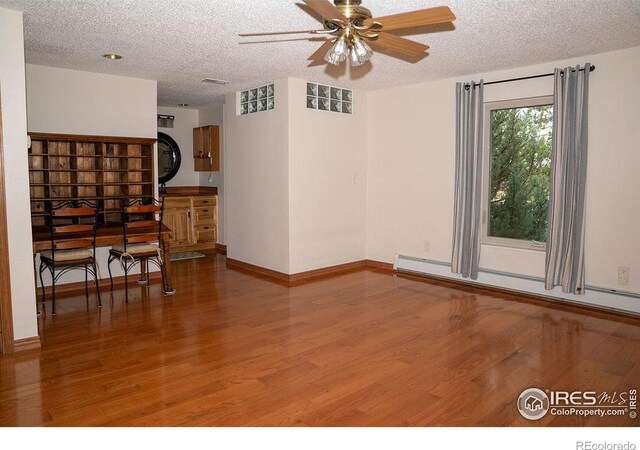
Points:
(192, 220)
(206, 148)
(106, 170)
(177, 217)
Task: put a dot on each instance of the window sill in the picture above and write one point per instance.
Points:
(515, 246)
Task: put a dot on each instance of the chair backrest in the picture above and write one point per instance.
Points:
(142, 221)
(72, 226)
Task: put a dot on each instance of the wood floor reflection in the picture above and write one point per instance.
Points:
(362, 349)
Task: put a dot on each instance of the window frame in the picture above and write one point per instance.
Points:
(486, 171)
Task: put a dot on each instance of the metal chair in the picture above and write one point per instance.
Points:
(73, 246)
(142, 240)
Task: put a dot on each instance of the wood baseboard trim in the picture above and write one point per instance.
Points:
(252, 268)
(379, 265)
(78, 287)
(542, 300)
(23, 345)
(301, 277)
(327, 271)
(221, 249)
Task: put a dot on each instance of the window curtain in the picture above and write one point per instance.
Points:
(565, 228)
(468, 185)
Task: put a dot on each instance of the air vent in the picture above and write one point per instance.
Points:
(165, 121)
(215, 81)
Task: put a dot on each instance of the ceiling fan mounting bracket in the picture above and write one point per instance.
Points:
(353, 11)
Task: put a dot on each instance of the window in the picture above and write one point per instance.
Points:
(329, 98)
(517, 172)
(257, 99)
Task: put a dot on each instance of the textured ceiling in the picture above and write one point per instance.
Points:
(179, 43)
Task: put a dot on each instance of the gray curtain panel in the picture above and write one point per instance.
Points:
(468, 185)
(565, 228)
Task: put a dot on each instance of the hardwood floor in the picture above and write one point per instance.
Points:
(363, 349)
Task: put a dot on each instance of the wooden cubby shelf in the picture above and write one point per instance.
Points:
(106, 170)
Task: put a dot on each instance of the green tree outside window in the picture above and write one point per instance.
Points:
(520, 172)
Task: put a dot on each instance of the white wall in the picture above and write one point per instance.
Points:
(411, 169)
(75, 102)
(295, 183)
(256, 183)
(182, 132)
(214, 115)
(327, 182)
(14, 131)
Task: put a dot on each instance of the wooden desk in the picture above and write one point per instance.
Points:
(107, 235)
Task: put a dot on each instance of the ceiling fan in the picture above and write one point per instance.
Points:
(354, 28)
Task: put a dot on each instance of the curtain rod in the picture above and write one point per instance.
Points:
(522, 78)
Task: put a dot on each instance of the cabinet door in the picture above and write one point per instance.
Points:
(213, 149)
(206, 142)
(179, 221)
(198, 143)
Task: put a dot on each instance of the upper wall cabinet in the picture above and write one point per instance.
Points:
(206, 148)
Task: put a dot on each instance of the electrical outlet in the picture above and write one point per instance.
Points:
(623, 275)
(427, 246)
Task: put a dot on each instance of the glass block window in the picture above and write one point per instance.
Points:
(329, 98)
(257, 99)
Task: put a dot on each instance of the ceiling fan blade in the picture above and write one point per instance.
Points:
(418, 18)
(398, 44)
(326, 9)
(273, 33)
(322, 51)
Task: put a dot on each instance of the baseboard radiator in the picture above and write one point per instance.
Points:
(594, 296)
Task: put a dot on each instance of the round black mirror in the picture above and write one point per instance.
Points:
(168, 158)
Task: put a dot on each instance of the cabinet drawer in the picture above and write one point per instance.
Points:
(205, 233)
(176, 202)
(204, 201)
(204, 215)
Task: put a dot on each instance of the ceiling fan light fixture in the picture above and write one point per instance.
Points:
(360, 52)
(355, 60)
(338, 52)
